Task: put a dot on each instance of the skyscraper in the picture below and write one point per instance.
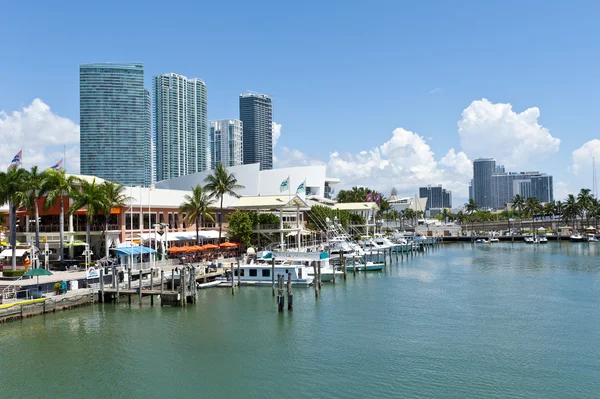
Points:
(256, 114)
(483, 169)
(527, 184)
(437, 197)
(226, 142)
(180, 126)
(115, 131)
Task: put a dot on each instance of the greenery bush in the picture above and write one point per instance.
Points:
(13, 273)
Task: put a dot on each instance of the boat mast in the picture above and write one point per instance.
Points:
(594, 181)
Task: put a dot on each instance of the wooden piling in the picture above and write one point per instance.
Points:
(162, 285)
(343, 267)
(173, 279)
(319, 271)
(151, 286)
(239, 262)
(101, 299)
(182, 287)
(315, 282)
(289, 293)
(117, 279)
(140, 287)
(129, 276)
(354, 266)
(273, 275)
(232, 280)
(280, 297)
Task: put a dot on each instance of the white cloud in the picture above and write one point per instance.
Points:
(405, 161)
(433, 91)
(561, 190)
(41, 134)
(276, 133)
(582, 157)
(495, 130)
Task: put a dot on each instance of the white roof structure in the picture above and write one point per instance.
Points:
(8, 252)
(184, 235)
(356, 206)
(270, 202)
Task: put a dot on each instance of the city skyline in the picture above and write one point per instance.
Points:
(531, 107)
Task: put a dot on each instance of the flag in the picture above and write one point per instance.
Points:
(57, 166)
(302, 187)
(284, 185)
(16, 161)
(369, 197)
(331, 193)
(377, 197)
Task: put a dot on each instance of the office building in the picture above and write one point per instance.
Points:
(527, 184)
(180, 126)
(483, 169)
(437, 197)
(256, 114)
(226, 142)
(115, 136)
(500, 169)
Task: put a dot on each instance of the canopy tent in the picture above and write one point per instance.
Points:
(8, 252)
(209, 246)
(194, 248)
(133, 250)
(302, 232)
(76, 243)
(591, 228)
(183, 235)
(175, 250)
(229, 245)
(541, 228)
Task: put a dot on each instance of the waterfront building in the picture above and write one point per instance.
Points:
(180, 126)
(437, 197)
(226, 142)
(527, 184)
(256, 114)
(483, 169)
(115, 136)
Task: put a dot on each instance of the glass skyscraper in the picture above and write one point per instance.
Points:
(226, 142)
(256, 114)
(483, 169)
(180, 126)
(115, 122)
(437, 197)
(527, 184)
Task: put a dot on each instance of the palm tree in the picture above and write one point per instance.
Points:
(446, 214)
(518, 203)
(571, 209)
(584, 201)
(114, 197)
(471, 207)
(196, 208)
(56, 186)
(219, 183)
(89, 196)
(548, 209)
(34, 185)
(13, 189)
(532, 207)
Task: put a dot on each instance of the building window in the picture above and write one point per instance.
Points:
(176, 215)
(170, 220)
(183, 220)
(253, 273)
(161, 218)
(266, 273)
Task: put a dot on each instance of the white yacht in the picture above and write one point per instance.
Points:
(529, 240)
(592, 238)
(327, 272)
(576, 237)
(260, 274)
(542, 240)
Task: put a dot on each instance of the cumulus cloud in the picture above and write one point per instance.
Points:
(516, 140)
(41, 134)
(405, 161)
(561, 190)
(582, 157)
(276, 133)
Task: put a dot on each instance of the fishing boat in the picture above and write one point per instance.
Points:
(327, 272)
(576, 237)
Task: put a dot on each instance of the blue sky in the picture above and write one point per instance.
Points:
(343, 76)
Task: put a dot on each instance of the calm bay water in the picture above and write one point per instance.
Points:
(463, 321)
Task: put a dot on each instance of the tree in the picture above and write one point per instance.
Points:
(91, 197)
(56, 185)
(518, 203)
(571, 209)
(548, 209)
(446, 214)
(114, 197)
(13, 189)
(219, 183)
(584, 202)
(34, 185)
(240, 227)
(470, 208)
(532, 207)
(196, 207)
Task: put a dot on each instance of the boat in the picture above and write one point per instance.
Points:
(208, 285)
(260, 274)
(494, 240)
(327, 272)
(481, 241)
(591, 238)
(576, 237)
(542, 240)
(529, 240)
(362, 266)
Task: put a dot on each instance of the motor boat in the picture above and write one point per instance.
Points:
(530, 240)
(260, 274)
(481, 241)
(494, 240)
(542, 240)
(576, 237)
(591, 238)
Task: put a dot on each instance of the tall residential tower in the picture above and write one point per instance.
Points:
(180, 126)
(256, 114)
(226, 142)
(483, 169)
(115, 123)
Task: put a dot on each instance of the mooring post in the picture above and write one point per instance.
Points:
(319, 270)
(289, 292)
(151, 286)
(173, 279)
(182, 287)
(239, 262)
(273, 275)
(343, 267)
(162, 284)
(101, 299)
(140, 287)
(117, 280)
(280, 297)
(232, 280)
(354, 266)
(129, 276)
(315, 281)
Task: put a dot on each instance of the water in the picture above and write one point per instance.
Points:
(493, 321)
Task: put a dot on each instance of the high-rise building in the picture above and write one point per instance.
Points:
(180, 126)
(483, 169)
(527, 184)
(437, 197)
(500, 169)
(226, 142)
(256, 114)
(115, 136)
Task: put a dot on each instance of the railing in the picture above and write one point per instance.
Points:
(10, 291)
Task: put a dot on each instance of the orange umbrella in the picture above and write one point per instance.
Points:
(194, 248)
(209, 246)
(228, 245)
(174, 250)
